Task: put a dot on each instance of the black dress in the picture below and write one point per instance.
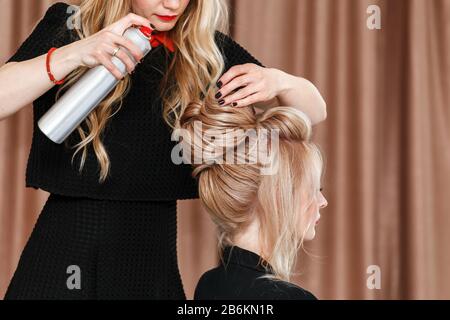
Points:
(117, 238)
(238, 278)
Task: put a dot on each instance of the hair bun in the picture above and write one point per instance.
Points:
(292, 123)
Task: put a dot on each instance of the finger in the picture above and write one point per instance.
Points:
(125, 58)
(129, 45)
(234, 85)
(105, 60)
(240, 94)
(129, 20)
(233, 72)
(132, 18)
(249, 100)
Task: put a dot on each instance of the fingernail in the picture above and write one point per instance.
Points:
(219, 84)
(234, 104)
(151, 25)
(218, 95)
(221, 102)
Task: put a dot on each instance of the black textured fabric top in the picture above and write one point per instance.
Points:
(137, 139)
(237, 278)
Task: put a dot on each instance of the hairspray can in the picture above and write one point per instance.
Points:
(87, 93)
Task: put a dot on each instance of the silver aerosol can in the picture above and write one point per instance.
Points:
(87, 93)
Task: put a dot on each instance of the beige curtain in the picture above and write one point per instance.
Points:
(386, 142)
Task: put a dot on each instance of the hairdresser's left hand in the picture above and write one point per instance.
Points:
(255, 84)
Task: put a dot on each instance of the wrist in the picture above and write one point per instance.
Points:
(63, 61)
(286, 82)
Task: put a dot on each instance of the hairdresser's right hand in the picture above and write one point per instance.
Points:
(98, 48)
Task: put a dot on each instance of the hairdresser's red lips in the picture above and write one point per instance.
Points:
(166, 18)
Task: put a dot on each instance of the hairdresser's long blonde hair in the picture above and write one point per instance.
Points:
(196, 65)
(234, 194)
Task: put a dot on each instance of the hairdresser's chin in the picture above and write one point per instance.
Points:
(163, 15)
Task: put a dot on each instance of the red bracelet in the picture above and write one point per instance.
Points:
(47, 63)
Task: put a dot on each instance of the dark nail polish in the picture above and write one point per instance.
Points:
(152, 26)
(218, 95)
(219, 84)
(234, 104)
(221, 102)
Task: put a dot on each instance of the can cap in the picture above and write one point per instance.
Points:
(146, 31)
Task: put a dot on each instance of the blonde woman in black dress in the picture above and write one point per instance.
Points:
(111, 213)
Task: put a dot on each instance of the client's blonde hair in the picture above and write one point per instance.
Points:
(235, 193)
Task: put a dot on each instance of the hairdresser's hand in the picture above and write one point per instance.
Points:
(99, 48)
(254, 84)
